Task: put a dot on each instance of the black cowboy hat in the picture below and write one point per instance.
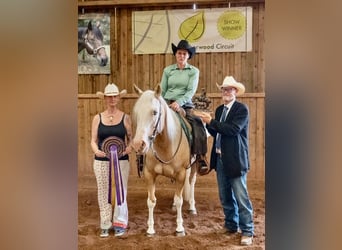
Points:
(183, 44)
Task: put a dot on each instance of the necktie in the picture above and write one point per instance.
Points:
(218, 137)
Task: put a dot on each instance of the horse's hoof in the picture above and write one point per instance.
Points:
(192, 212)
(180, 234)
(150, 235)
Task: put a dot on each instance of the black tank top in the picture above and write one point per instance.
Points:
(105, 131)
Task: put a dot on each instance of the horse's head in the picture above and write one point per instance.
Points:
(148, 118)
(93, 43)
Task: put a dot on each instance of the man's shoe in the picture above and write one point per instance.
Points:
(226, 231)
(246, 240)
(104, 233)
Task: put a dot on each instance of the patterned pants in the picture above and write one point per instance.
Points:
(120, 215)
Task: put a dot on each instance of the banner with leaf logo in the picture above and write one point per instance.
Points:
(209, 30)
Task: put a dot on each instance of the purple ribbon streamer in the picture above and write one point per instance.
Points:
(114, 161)
(110, 182)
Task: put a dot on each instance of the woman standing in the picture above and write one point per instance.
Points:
(111, 122)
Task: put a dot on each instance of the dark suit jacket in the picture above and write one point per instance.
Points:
(234, 140)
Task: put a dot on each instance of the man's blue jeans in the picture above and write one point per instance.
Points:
(235, 201)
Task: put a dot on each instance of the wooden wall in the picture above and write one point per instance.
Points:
(89, 105)
(146, 71)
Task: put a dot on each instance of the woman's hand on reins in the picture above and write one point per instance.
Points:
(175, 106)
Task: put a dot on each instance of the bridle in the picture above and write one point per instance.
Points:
(93, 50)
(153, 136)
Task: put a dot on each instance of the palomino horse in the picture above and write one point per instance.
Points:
(91, 39)
(160, 137)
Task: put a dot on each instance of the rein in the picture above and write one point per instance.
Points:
(153, 136)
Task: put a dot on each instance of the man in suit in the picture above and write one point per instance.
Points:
(229, 157)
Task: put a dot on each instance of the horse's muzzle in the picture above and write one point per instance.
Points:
(103, 61)
(140, 147)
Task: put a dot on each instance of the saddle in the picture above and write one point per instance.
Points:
(186, 126)
(201, 163)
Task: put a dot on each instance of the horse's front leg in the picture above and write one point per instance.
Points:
(151, 203)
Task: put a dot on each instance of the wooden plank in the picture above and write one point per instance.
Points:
(213, 68)
(231, 65)
(124, 50)
(260, 86)
(84, 138)
(206, 64)
(255, 48)
(81, 138)
(157, 72)
(237, 66)
(252, 135)
(220, 71)
(151, 3)
(260, 139)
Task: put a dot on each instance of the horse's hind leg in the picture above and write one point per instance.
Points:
(189, 189)
(192, 179)
(178, 201)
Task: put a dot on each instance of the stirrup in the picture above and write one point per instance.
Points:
(202, 165)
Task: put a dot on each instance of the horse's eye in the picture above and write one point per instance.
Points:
(154, 112)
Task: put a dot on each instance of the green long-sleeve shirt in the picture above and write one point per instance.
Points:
(179, 85)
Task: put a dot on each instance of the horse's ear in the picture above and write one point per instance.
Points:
(137, 90)
(90, 26)
(157, 90)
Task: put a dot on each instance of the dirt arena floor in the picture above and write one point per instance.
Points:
(201, 229)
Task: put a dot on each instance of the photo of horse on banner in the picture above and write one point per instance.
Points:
(160, 139)
(94, 44)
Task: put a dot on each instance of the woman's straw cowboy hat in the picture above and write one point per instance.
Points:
(229, 81)
(183, 44)
(111, 90)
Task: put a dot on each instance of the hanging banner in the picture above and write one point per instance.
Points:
(209, 30)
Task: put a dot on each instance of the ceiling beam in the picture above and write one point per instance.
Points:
(145, 3)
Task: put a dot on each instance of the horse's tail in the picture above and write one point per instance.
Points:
(186, 192)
